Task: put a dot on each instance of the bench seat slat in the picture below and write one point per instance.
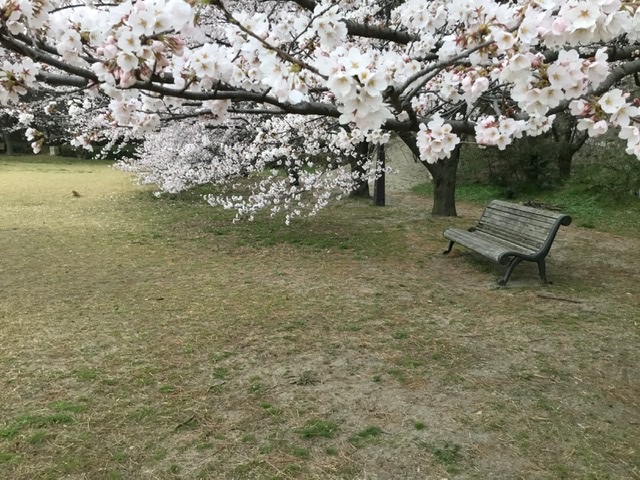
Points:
(524, 232)
(542, 224)
(536, 212)
(486, 245)
(514, 237)
(514, 229)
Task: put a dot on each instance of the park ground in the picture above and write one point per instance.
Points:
(153, 339)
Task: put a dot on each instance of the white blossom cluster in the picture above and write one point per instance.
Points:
(282, 169)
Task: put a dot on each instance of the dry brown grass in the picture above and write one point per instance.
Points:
(144, 338)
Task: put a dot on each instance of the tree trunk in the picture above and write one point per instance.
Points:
(294, 175)
(565, 156)
(444, 176)
(569, 140)
(361, 180)
(566, 152)
(8, 144)
(379, 194)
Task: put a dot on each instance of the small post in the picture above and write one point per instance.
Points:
(378, 186)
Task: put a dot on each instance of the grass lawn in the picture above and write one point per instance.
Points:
(152, 339)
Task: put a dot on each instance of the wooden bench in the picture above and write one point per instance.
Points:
(508, 234)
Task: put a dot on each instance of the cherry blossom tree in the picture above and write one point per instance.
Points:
(336, 73)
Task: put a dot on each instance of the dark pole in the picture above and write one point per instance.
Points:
(378, 186)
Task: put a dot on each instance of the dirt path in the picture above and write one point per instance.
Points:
(406, 172)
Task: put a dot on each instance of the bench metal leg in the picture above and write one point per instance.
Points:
(449, 249)
(542, 269)
(512, 264)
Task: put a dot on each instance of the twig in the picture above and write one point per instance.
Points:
(560, 299)
(187, 422)
(280, 472)
(539, 419)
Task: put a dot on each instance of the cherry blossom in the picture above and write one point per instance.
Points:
(436, 140)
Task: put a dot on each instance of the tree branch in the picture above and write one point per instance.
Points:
(306, 4)
(379, 32)
(39, 55)
(357, 29)
(281, 53)
(303, 108)
(624, 70)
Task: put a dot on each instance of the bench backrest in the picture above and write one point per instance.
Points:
(529, 227)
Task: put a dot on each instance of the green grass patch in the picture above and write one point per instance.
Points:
(10, 432)
(418, 425)
(299, 452)
(256, 386)
(331, 451)
(85, 374)
(448, 455)
(67, 406)
(366, 435)
(28, 421)
(308, 377)
(400, 335)
(41, 421)
(318, 428)
(7, 458)
(39, 437)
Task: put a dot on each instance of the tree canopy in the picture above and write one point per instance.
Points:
(292, 82)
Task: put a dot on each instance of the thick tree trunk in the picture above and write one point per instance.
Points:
(565, 156)
(444, 176)
(566, 152)
(569, 140)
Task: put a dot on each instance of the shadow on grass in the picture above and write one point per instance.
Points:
(53, 160)
(354, 226)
